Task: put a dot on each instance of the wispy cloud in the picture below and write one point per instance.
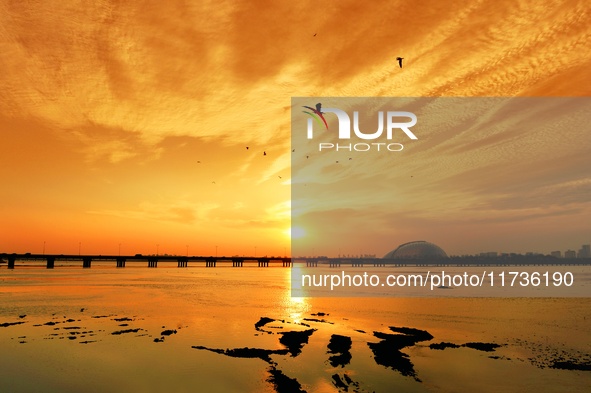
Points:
(184, 213)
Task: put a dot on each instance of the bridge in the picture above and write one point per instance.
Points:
(121, 261)
(151, 260)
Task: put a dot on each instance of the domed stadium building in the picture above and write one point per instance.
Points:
(417, 250)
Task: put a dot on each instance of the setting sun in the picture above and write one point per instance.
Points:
(295, 232)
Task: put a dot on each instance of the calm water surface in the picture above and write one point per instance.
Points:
(58, 326)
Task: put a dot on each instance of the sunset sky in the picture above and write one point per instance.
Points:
(127, 122)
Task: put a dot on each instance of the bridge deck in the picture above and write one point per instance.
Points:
(265, 261)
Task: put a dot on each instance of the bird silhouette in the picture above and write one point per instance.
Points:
(315, 34)
(246, 147)
(264, 153)
(400, 61)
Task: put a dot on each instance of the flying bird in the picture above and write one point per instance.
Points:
(264, 153)
(246, 147)
(400, 61)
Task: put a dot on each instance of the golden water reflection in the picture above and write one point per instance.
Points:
(218, 308)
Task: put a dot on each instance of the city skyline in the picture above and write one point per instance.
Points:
(583, 252)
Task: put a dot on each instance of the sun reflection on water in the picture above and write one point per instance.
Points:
(295, 306)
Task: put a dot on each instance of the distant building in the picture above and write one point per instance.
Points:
(416, 250)
(556, 254)
(570, 254)
(490, 254)
(585, 251)
(533, 254)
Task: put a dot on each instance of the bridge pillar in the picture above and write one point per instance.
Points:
(237, 262)
(210, 262)
(86, 262)
(152, 262)
(263, 262)
(11, 261)
(183, 262)
(50, 262)
(286, 263)
(120, 262)
(334, 263)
